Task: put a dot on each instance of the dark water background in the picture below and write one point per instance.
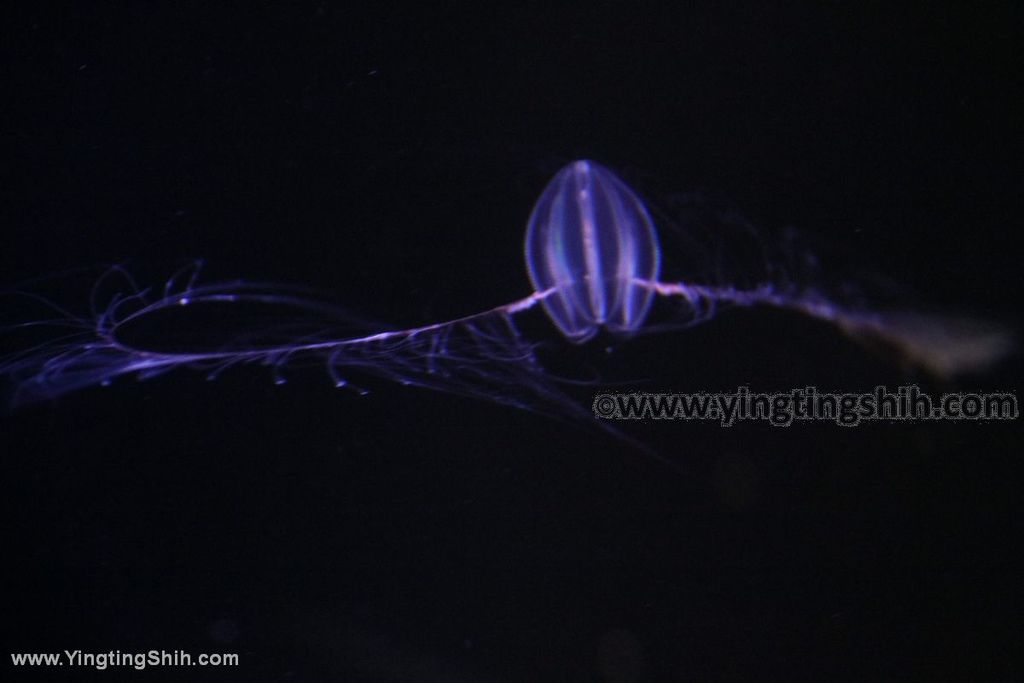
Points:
(391, 156)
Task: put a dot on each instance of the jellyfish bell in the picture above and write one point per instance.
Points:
(592, 247)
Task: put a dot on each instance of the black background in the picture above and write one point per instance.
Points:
(390, 155)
